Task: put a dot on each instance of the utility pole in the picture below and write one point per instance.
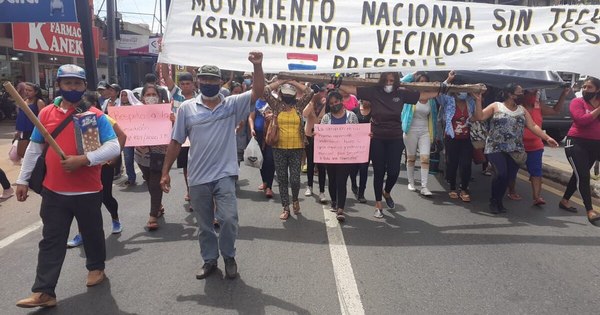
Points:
(160, 14)
(89, 56)
(110, 34)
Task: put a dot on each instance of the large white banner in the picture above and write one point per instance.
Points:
(374, 36)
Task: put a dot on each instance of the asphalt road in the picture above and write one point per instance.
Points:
(427, 256)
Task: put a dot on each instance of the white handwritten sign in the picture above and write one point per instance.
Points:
(144, 125)
(342, 144)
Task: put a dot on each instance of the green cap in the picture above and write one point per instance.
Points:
(209, 71)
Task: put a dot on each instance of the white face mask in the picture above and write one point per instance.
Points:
(151, 99)
(388, 88)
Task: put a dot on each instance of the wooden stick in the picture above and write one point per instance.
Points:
(420, 86)
(23, 106)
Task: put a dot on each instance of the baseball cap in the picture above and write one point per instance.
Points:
(209, 71)
(287, 89)
(70, 71)
(247, 75)
(102, 85)
(115, 87)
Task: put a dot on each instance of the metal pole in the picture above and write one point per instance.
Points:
(110, 34)
(160, 18)
(89, 56)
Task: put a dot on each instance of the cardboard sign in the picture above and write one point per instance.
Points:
(144, 125)
(62, 39)
(342, 144)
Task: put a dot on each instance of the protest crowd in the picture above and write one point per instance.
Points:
(220, 121)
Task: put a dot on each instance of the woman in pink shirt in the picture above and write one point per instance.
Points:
(583, 146)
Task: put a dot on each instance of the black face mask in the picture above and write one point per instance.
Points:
(336, 108)
(290, 100)
(588, 96)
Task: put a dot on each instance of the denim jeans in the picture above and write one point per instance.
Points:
(129, 164)
(203, 199)
(505, 169)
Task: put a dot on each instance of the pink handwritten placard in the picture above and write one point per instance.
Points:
(342, 144)
(144, 125)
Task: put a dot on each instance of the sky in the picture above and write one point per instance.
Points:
(137, 6)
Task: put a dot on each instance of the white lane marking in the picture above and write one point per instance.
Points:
(347, 289)
(10, 239)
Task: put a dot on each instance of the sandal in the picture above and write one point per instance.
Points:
(152, 225)
(539, 201)
(453, 195)
(567, 208)
(187, 197)
(595, 218)
(284, 215)
(514, 196)
(296, 207)
(464, 196)
(340, 216)
(262, 186)
(268, 193)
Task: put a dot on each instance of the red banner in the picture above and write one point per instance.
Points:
(63, 39)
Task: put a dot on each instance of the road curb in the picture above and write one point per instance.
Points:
(561, 173)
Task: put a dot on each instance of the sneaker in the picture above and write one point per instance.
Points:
(7, 193)
(230, 268)
(75, 242)
(389, 201)
(116, 227)
(411, 187)
(128, 183)
(362, 199)
(378, 213)
(304, 168)
(206, 270)
(308, 191)
(322, 198)
(494, 208)
(425, 192)
(355, 190)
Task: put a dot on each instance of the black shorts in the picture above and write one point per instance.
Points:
(182, 158)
